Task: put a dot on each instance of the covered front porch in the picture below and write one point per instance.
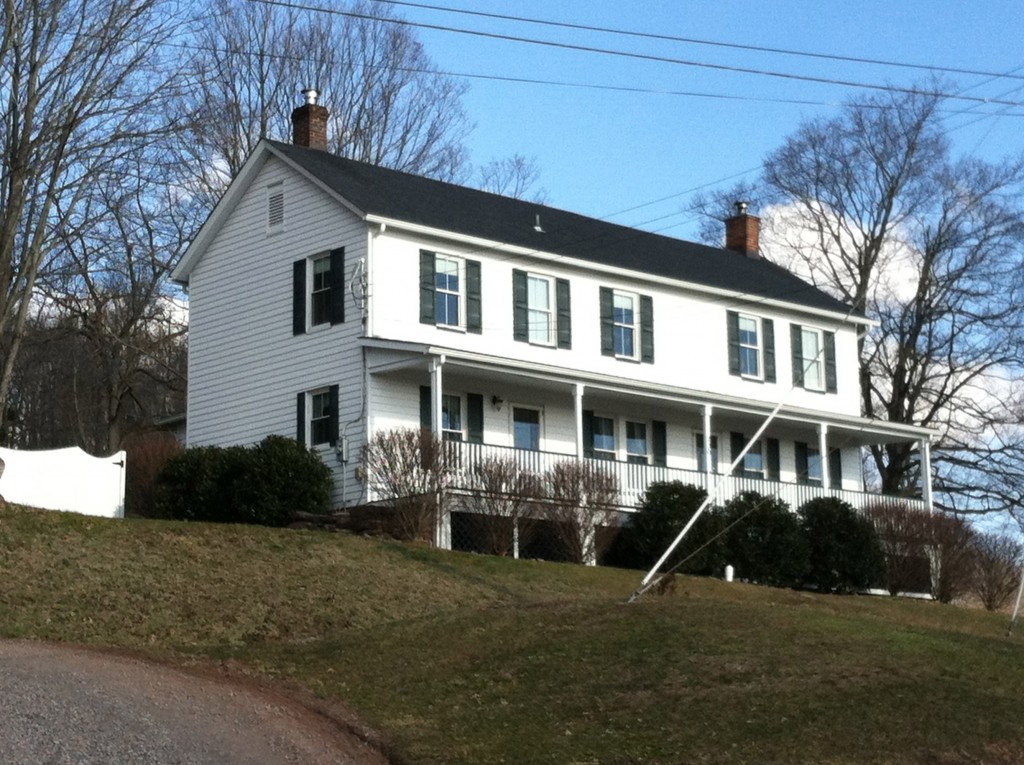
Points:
(492, 408)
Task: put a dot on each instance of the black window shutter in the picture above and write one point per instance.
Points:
(300, 418)
(835, 468)
(427, 269)
(332, 436)
(768, 330)
(736, 444)
(830, 362)
(299, 297)
(802, 473)
(732, 323)
(337, 286)
(607, 323)
(646, 329)
(426, 407)
(659, 441)
(474, 313)
(520, 307)
(588, 433)
(796, 340)
(771, 447)
(564, 312)
(475, 417)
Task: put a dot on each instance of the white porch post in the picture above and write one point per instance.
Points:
(709, 468)
(826, 479)
(443, 522)
(925, 447)
(578, 402)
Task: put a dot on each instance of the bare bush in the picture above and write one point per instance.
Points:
(410, 469)
(582, 497)
(997, 568)
(146, 455)
(502, 493)
(924, 551)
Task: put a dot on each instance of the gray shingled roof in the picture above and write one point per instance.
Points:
(446, 206)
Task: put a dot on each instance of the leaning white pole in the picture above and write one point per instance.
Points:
(712, 496)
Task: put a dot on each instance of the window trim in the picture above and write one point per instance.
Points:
(758, 345)
(460, 293)
(634, 328)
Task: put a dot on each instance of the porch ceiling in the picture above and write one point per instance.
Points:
(412, 361)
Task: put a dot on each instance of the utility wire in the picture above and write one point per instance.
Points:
(638, 56)
(712, 43)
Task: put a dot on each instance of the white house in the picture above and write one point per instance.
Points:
(332, 299)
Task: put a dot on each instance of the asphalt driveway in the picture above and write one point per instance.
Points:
(64, 705)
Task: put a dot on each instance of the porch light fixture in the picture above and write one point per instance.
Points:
(497, 401)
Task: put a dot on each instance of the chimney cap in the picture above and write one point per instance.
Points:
(741, 207)
(311, 95)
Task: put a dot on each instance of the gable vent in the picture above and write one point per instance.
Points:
(275, 205)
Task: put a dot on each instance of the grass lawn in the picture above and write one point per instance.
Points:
(469, 659)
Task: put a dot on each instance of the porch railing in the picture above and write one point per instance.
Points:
(633, 479)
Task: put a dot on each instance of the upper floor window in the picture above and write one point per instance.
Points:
(320, 295)
(751, 346)
(318, 291)
(627, 325)
(814, 358)
(275, 207)
(540, 309)
(450, 291)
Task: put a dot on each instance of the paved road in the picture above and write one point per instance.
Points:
(71, 706)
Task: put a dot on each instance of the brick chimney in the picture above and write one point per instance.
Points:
(309, 123)
(742, 231)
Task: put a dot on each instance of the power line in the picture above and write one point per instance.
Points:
(712, 43)
(639, 56)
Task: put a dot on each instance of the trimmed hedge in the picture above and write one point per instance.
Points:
(263, 485)
(764, 541)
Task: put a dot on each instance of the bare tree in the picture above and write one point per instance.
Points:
(870, 207)
(513, 176)
(80, 81)
(389, 104)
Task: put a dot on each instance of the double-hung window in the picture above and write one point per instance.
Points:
(447, 291)
(751, 346)
(317, 416)
(814, 358)
(540, 309)
(450, 291)
(808, 464)
(318, 291)
(603, 438)
(627, 325)
(451, 417)
(636, 443)
(760, 461)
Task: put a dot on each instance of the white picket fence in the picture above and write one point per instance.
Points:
(64, 479)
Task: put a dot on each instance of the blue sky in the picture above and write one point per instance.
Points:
(604, 151)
